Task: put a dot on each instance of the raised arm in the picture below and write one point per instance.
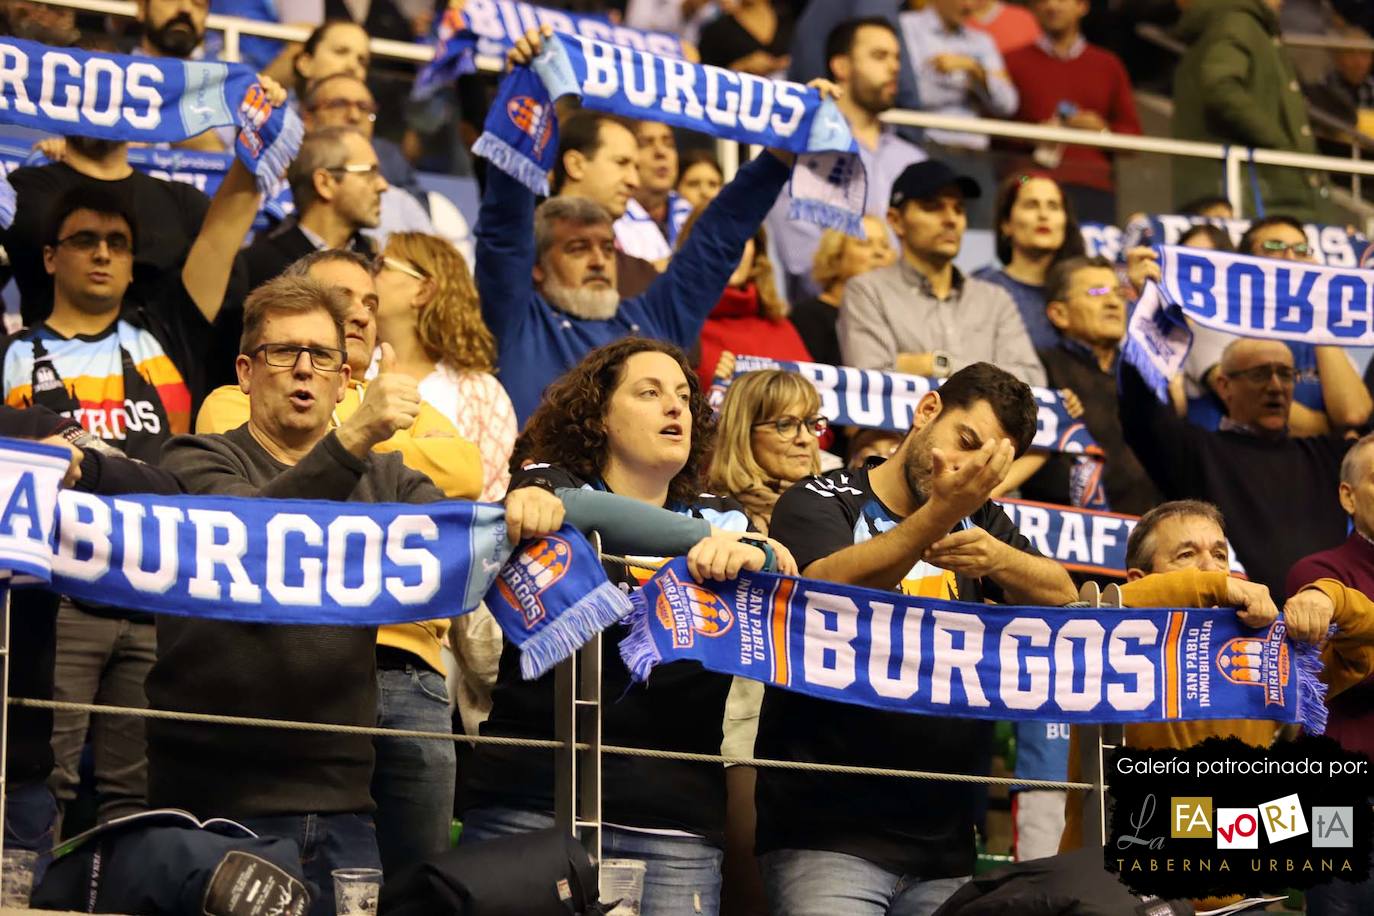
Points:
(681, 298)
(1162, 440)
(1347, 400)
(504, 263)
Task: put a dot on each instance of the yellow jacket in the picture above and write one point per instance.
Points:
(431, 446)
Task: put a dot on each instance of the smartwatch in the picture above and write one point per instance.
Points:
(942, 364)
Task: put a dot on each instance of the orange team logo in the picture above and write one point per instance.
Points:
(1241, 661)
(255, 110)
(531, 117)
(533, 571)
(685, 609)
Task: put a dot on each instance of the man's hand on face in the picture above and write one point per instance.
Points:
(390, 403)
(958, 492)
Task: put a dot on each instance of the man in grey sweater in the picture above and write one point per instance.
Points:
(306, 786)
(922, 315)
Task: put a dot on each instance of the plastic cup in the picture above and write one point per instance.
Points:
(16, 878)
(356, 890)
(623, 880)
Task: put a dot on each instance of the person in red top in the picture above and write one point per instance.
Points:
(1063, 80)
(1011, 26)
(750, 318)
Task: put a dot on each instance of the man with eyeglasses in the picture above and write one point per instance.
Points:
(130, 372)
(1277, 490)
(1328, 392)
(920, 523)
(343, 100)
(311, 788)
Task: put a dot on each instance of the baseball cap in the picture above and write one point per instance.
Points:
(921, 180)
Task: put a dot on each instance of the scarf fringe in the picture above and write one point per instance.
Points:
(1138, 355)
(511, 161)
(637, 649)
(571, 629)
(1311, 690)
(827, 216)
(273, 161)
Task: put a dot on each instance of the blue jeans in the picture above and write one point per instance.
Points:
(30, 816)
(413, 780)
(327, 842)
(813, 882)
(683, 874)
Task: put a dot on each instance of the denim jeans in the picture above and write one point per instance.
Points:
(813, 882)
(683, 873)
(414, 778)
(30, 817)
(327, 842)
(101, 660)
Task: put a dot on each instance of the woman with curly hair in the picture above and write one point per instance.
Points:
(428, 311)
(630, 419)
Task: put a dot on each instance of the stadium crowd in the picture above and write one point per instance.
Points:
(351, 353)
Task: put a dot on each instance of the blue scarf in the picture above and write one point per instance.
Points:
(1246, 296)
(1082, 540)
(286, 561)
(490, 28)
(143, 99)
(1333, 246)
(520, 136)
(203, 171)
(949, 658)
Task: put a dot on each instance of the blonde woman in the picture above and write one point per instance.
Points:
(428, 312)
(839, 258)
(766, 436)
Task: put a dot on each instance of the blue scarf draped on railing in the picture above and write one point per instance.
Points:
(1247, 296)
(287, 561)
(143, 99)
(924, 655)
(203, 171)
(490, 28)
(520, 136)
(1331, 245)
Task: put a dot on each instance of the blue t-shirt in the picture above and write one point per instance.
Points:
(1042, 750)
(1030, 302)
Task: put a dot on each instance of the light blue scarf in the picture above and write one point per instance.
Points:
(143, 99)
(521, 132)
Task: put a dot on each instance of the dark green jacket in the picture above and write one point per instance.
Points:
(1236, 84)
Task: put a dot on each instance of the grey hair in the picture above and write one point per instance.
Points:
(578, 210)
(323, 148)
(302, 266)
(1141, 544)
(1350, 464)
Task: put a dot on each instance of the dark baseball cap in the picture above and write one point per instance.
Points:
(922, 180)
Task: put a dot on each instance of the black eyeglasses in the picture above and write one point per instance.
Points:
(1274, 246)
(789, 427)
(285, 356)
(1260, 375)
(86, 241)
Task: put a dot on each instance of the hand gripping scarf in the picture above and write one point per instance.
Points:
(1246, 296)
(142, 99)
(520, 136)
(287, 561)
(950, 658)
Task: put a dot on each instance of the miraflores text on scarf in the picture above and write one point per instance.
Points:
(1247, 296)
(876, 399)
(933, 657)
(520, 135)
(67, 91)
(298, 561)
(203, 171)
(490, 28)
(1331, 245)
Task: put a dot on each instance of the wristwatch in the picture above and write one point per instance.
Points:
(941, 361)
(770, 559)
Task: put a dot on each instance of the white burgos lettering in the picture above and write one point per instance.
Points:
(832, 622)
(102, 92)
(499, 20)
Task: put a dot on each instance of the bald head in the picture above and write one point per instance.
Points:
(1255, 383)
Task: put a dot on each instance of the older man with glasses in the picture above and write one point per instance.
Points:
(311, 788)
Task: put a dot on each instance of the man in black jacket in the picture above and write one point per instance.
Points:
(306, 786)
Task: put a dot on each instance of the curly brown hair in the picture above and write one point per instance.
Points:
(568, 428)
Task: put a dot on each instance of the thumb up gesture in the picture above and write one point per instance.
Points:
(390, 403)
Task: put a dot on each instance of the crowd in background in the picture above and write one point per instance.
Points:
(350, 352)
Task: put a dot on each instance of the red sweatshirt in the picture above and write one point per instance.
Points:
(1096, 81)
(736, 325)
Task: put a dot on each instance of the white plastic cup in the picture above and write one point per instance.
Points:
(16, 879)
(623, 880)
(356, 891)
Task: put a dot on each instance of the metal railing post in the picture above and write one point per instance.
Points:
(4, 721)
(577, 720)
(231, 44)
(1234, 193)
